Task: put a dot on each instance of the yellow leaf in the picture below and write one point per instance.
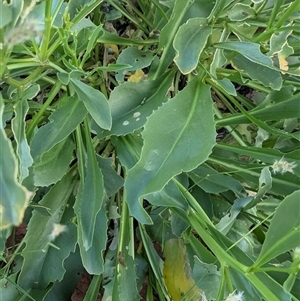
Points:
(113, 47)
(137, 76)
(177, 272)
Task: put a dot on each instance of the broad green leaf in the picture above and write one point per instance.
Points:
(131, 103)
(62, 290)
(9, 289)
(177, 272)
(226, 85)
(207, 278)
(249, 50)
(239, 233)
(252, 61)
(38, 254)
(6, 14)
(112, 181)
(95, 102)
(213, 182)
(189, 42)
(266, 75)
(170, 148)
(240, 12)
(228, 220)
(18, 128)
(92, 258)
(243, 30)
(137, 59)
(90, 196)
(125, 277)
(14, 197)
(128, 148)
(62, 123)
(54, 164)
(168, 33)
(284, 231)
(169, 196)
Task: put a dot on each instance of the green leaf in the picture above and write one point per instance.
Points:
(95, 102)
(18, 128)
(91, 194)
(93, 290)
(266, 75)
(112, 181)
(189, 42)
(207, 278)
(170, 148)
(62, 290)
(43, 264)
(125, 277)
(265, 184)
(252, 61)
(249, 50)
(91, 44)
(228, 220)
(92, 258)
(137, 59)
(6, 14)
(14, 196)
(168, 33)
(131, 103)
(10, 291)
(169, 196)
(239, 233)
(54, 164)
(62, 123)
(284, 231)
(240, 12)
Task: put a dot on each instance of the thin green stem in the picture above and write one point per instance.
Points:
(56, 88)
(274, 12)
(193, 202)
(47, 31)
(294, 6)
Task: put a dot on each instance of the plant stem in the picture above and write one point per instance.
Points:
(47, 31)
(41, 112)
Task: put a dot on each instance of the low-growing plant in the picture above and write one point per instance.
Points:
(153, 144)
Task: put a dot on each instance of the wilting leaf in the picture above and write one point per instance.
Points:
(137, 76)
(177, 272)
